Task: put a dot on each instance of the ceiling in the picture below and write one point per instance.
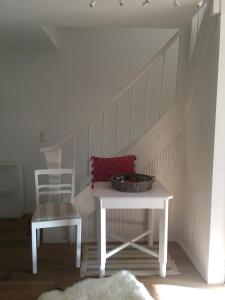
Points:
(21, 18)
(159, 13)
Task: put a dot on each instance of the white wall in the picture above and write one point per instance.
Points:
(199, 139)
(54, 91)
(216, 265)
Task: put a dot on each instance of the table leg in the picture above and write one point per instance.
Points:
(151, 227)
(34, 248)
(78, 250)
(102, 241)
(38, 237)
(163, 238)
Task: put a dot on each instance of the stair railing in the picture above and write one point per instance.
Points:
(53, 153)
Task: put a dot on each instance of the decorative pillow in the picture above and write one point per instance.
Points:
(103, 168)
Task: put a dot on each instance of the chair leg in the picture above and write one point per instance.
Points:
(38, 237)
(34, 248)
(78, 252)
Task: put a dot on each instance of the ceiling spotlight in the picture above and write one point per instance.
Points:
(121, 2)
(200, 4)
(145, 2)
(176, 3)
(92, 3)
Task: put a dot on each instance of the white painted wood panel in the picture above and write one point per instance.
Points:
(196, 26)
(155, 84)
(140, 97)
(216, 269)
(109, 136)
(67, 155)
(194, 32)
(168, 168)
(200, 152)
(96, 136)
(169, 85)
(82, 158)
(125, 107)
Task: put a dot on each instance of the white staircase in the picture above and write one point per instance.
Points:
(115, 130)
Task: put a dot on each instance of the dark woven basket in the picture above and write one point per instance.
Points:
(132, 182)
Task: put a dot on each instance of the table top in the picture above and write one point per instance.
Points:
(110, 198)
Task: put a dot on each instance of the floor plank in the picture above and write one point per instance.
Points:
(56, 270)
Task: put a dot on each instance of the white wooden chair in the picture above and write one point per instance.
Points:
(54, 213)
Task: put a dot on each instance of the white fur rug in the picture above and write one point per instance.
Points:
(121, 286)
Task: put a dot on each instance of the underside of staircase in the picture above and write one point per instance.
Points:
(126, 122)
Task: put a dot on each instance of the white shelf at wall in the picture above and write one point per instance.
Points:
(11, 189)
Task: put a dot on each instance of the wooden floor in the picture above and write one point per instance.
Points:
(56, 271)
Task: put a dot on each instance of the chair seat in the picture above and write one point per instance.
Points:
(55, 211)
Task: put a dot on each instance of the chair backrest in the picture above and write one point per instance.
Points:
(54, 185)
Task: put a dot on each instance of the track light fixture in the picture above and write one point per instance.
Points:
(92, 3)
(121, 2)
(145, 2)
(200, 4)
(176, 3)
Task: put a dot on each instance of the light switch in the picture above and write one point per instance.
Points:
(43, 136)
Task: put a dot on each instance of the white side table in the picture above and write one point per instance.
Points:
(157, 198)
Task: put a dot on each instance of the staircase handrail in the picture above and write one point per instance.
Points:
(128, 85)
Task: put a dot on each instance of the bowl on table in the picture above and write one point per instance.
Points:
(132, 182)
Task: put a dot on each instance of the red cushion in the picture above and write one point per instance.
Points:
(104, 168)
